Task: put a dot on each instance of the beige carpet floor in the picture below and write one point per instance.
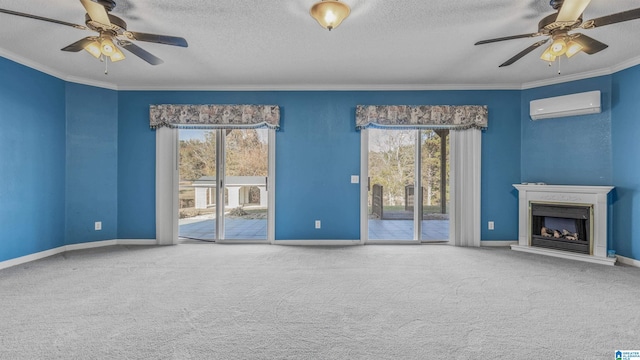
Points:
(208, 301)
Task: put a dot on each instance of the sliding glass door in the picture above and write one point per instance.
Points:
(245, 183)
(197, 199)
(223, 184)
(434, 180)
(408, 185)
(391, 184)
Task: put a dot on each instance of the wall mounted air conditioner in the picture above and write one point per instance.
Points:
(567, 105)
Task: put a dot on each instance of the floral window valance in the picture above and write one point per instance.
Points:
(427, 116)
(215, 116)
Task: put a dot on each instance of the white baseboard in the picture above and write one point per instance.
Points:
(88, 245)
(498, 242)
(137, 242)
(152, 242)
(31, 257)
(628, 261)
(317, 242)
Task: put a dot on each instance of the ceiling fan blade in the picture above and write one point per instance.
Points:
(80, 44)
(571, 10)
(96, 12)
(154, 38)
(140, 52)
(589, 44)
(523, 53)
(36, 17)
(612, 19)
(508, 38)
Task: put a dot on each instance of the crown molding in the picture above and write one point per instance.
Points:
(89, 82)
(585, 75)
(566, 78)
(47, 70)
(31, 64)
(334, 87)
(625, 65)
(323, 87)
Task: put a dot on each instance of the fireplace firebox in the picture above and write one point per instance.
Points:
(562, 227)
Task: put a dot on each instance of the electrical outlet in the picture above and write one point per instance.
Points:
(491, 225)
(98, 225)
(317, 224)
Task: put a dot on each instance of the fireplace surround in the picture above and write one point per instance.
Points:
(564, 221)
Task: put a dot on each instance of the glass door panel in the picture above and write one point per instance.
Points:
(391, 195)
(197, 184)
(434, 179)
(245, 180)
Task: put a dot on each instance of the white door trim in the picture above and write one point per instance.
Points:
(364, 186)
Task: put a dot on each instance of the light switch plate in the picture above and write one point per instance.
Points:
(355, 179)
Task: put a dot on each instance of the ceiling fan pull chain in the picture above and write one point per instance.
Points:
(106, 65)
(559, 72)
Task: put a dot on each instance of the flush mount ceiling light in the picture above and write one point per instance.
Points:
(329, 13)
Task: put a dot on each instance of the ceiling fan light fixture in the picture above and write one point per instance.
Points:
(558, 47)
(117, 55)
(93, 48)
(573, 48)
(330, 13)
(107, 47)
(547, 55)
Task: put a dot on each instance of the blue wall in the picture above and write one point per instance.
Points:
(573, 150)
(32, 161)
(72, 154)
(317, 151)
(92, 163)
(625, 134)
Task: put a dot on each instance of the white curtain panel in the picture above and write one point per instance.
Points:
(465, 148)
(166, 185)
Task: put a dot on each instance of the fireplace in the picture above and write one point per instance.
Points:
(561, 227)
(564, 221)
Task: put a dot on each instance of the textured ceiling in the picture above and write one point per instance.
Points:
(275, 44)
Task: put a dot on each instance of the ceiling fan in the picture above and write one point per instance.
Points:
(557, 27)
(111, 30)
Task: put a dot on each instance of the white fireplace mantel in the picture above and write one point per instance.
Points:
(595, 196)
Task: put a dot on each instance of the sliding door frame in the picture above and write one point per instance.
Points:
(167, 187)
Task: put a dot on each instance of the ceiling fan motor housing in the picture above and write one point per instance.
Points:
(548, 25)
